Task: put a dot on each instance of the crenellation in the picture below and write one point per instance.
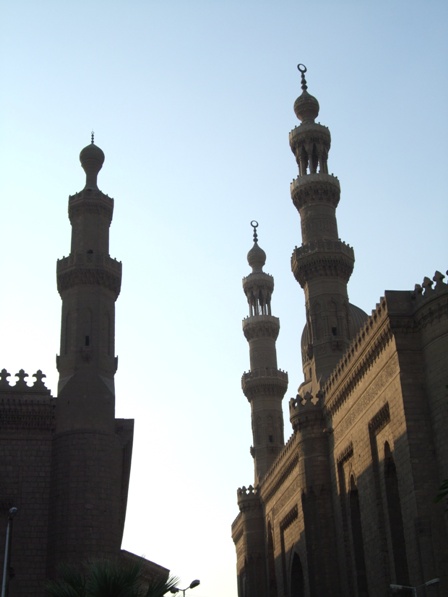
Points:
(21, 386)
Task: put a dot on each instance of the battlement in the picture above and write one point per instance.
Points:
(21, 385)
(306, 411)
(248, 498)
(307, 400)
(23, 406)
(425, 291)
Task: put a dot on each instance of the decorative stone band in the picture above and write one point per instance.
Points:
(248, 498)
(309, 133)
(264, 382)
(91, 202)
(322, 258)
(78, 269)
(315, 188)
(261, 326)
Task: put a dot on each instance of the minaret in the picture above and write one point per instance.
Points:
(90, 466)
(324, 263)
(264, 385)
(89, 283)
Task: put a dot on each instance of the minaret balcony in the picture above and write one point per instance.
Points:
(309, 133)
(264, 381)
(322, 258)
(89, 268)
(261, 326)
(315, 188)
(90, 201)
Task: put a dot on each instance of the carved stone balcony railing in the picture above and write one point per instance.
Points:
(89, 268)
(311, 133)
(322, 258)
(265, 381)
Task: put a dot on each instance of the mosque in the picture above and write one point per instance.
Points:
(346, 506)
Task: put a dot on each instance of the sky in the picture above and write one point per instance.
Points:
(191, 103)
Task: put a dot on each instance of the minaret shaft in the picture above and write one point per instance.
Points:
(89, 283)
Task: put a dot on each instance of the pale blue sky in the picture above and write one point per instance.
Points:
(192, 104)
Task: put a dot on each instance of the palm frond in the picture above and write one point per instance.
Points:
(158, 588)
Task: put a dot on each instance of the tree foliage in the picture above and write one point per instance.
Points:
(104, 578)
(443, 492)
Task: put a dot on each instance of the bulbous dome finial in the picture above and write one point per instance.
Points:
(256, 256)
(306, 106)
(92, 159)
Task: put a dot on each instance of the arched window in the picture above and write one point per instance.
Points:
(271, 564)
(297, 579)
(395, 517)
(357, 540)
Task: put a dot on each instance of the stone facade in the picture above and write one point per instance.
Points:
(346, 507)
(65, 462)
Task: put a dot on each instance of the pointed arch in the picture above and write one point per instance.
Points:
(297, 577)
(272, 578)
(395, 517)
(357, 539)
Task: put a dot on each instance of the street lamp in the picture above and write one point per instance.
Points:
(428, 583)
(193, 584)
(12, 512)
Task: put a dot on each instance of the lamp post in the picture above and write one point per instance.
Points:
(414, 590)
(192, 585)
(12, 512)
